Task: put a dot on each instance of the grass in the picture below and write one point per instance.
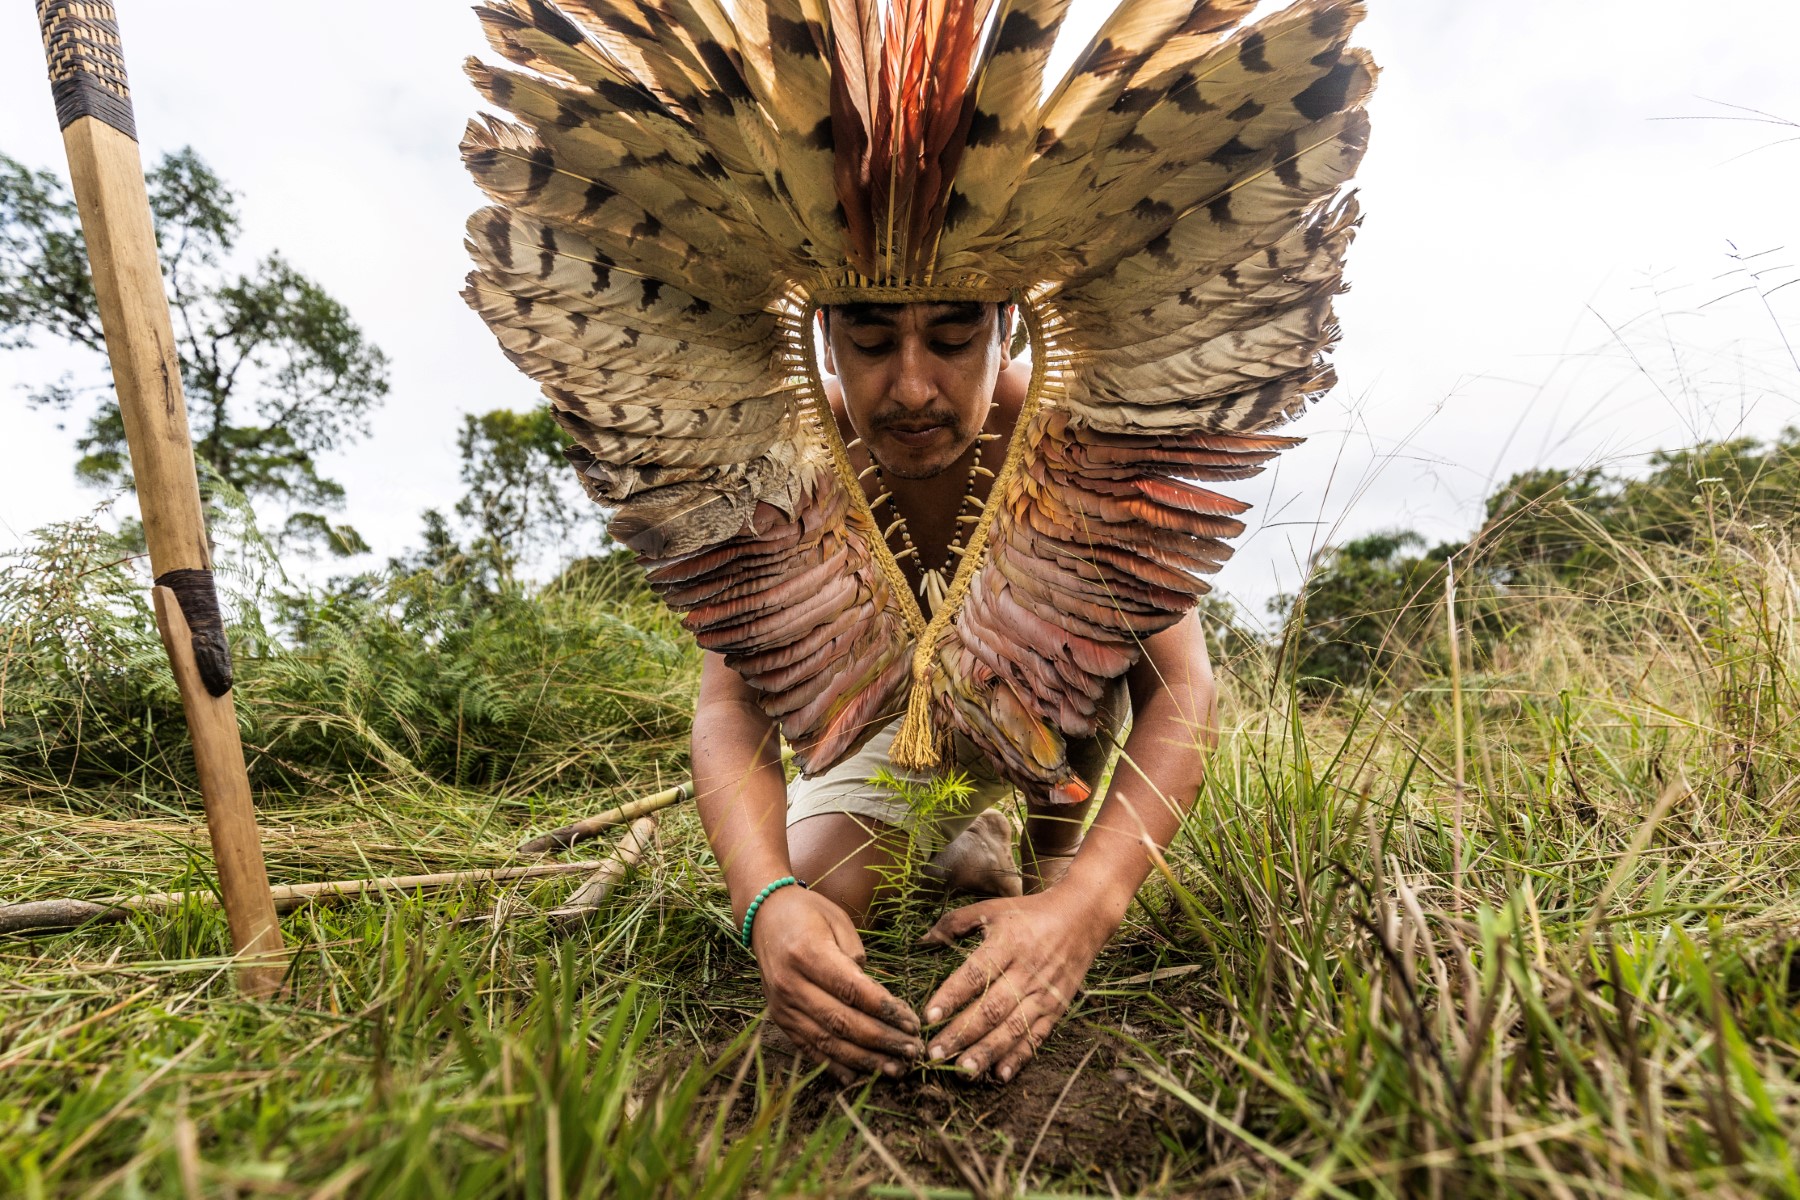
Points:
(1532, 929)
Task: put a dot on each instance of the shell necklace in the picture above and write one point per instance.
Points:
(934, 582)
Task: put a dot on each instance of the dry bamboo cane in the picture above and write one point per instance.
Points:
(93, 106)
(41, 915)
(631, 810)
(600, 822)
(605, 874)
(586, 900)
(36, 916)
(45, 915)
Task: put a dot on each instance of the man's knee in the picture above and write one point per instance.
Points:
(847, 859)
(852, 891)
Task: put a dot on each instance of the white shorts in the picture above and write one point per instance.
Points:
(849, 787)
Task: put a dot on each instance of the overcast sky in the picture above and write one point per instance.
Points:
(1544, 275)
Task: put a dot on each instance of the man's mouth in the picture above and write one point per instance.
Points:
(916, 436)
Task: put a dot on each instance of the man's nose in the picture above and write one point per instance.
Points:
(913, 386)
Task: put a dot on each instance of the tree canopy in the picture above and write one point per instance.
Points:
(1374, 606)
(275, 371)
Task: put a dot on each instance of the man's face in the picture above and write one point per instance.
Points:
(918, 379)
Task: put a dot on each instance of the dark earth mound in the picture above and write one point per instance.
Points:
(1081, 1118)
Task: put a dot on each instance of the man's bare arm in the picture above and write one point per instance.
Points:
(1010, 992)
(738, 783)
(1159, 773)
(806, 946)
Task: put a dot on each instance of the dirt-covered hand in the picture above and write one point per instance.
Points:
(1007, 995)
(812, 971)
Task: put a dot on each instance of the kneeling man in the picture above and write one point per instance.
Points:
(926, 396)
(671, 201)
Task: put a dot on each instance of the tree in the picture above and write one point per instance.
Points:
(519, 496)
(276, 373)
(1370, 606)
(1374, 606)
(519, 489)
(1568, 526)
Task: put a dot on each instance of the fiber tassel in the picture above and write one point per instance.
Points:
(916, 745)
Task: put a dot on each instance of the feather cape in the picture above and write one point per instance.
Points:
(679, 185)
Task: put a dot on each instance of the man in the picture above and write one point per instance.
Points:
(679, 195)
(918, 384)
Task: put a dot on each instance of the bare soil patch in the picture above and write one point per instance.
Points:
(1079, 1119)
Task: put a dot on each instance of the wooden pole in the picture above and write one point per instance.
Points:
(93, 106)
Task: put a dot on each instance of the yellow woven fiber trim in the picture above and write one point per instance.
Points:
(904, 294)
(848, 286)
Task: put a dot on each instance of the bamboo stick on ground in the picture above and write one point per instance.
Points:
(44, 915)
(600, 822)
(594, 826)
(586, 900)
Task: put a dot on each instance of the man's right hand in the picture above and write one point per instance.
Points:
(812, 970)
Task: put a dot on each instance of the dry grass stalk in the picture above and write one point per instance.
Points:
(44, 915)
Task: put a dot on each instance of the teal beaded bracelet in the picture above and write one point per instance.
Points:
(750, 913)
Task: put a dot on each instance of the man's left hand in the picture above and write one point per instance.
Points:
(1010, 992)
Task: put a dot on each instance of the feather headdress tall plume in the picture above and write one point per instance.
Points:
(682, 185)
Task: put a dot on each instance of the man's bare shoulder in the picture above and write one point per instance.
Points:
(1009, 392)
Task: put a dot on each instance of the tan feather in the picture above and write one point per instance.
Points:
(1084, 107)
(521, 246)
(607, 331)
(1280, 188)
(1255, 124)
(1252, 410)
(1306, 261)
(1187, 128)
(1289, 341)
(1002, 132)
(795, 91)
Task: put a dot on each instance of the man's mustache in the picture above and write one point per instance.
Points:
(908, 422)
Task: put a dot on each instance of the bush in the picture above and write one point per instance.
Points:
(1373, 608)
(421, 675)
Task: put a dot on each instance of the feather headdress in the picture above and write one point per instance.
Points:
(683, 184)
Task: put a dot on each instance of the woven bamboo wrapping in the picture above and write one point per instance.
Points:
(87, 64)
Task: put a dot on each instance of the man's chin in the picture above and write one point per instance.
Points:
(901, 461)
(905, 465)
